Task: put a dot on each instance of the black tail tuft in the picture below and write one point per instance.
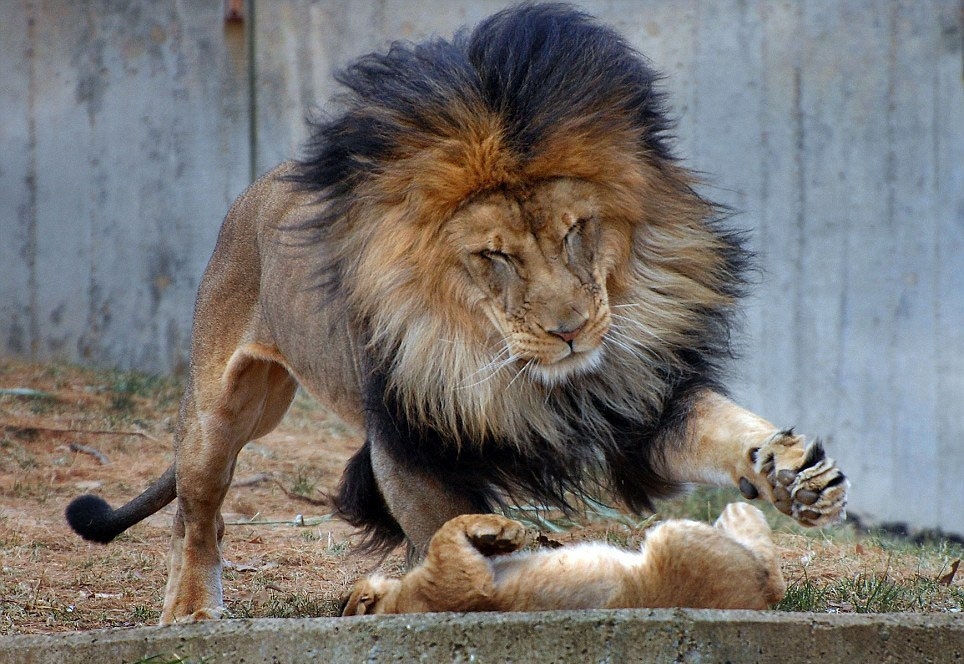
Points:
(92, 518)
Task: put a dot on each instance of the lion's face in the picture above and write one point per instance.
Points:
(536, 266)
(506, 235)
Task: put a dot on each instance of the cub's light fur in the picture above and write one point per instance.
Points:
(489, 262)
(472, 565)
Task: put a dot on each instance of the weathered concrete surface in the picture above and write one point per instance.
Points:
(590, 636)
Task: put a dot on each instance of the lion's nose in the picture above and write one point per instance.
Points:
(568, 332)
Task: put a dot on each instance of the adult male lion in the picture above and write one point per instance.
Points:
(492, 265)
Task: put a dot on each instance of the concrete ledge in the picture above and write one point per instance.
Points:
(584, 636)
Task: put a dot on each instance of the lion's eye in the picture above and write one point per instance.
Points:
(574, 239)
(497, 256)
(497, 267)
(577, 227)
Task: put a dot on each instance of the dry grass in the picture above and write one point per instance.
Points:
(286, 556)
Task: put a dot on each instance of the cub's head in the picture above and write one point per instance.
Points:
(503, 219)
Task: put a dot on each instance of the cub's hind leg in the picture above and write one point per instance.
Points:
(745, 524)
(219, 414)
(691, 564)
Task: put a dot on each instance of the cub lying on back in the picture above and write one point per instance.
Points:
(473, 564)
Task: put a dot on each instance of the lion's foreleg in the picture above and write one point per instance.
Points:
(417, 501)
(726, 445)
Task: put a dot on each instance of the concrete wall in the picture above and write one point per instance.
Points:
(835, 128)
(642, 636)
(123, 139)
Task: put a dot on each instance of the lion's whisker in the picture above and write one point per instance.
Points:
(519, 373)
(619, 344)
(641, 306)
(628, 342)
(496, 359)
(624, 341)
(633, 305)
(617, 330)
(495, 365)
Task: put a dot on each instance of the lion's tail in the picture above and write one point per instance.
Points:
(93, 519)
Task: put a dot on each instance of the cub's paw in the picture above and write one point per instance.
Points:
(743, 521)
(492, 534)
(799, 478)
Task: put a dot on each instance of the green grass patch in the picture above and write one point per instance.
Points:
(872, 592)
(286, 605)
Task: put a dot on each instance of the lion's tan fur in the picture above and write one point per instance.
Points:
(731, 565)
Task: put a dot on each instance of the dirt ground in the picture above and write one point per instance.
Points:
(65, 430)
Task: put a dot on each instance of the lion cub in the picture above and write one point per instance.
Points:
(473, 564)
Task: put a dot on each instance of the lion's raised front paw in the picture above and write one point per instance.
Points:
(492, 534)
(800, 479)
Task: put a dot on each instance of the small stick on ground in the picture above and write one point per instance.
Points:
(95, 432)
(298, 496)
(86, 449)
(252, 480)
(264, 477)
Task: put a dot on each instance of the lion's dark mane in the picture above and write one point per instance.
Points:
(536, 67)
